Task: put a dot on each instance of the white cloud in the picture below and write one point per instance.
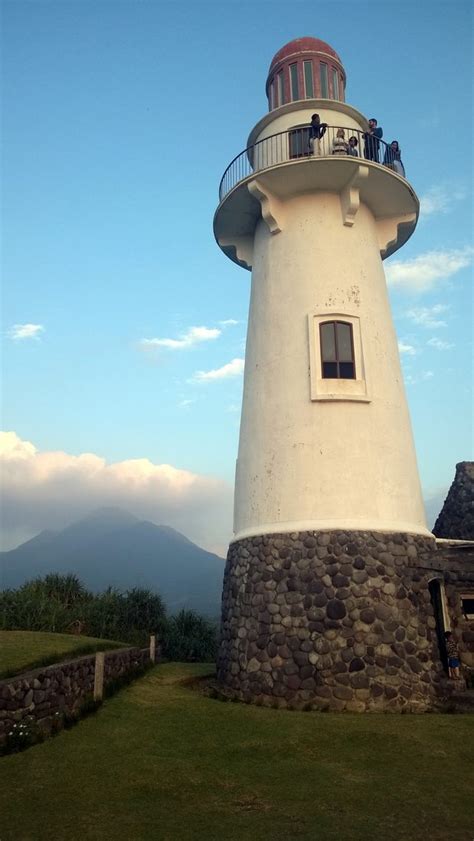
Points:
(193, 336)
(441, 199)
(428, 316)
(423, 272)
(404, 347)
(185, 404)
(25, 331)
(413, 379)
(439, 345)
(228, 322)
(233, 369)
(48, 490)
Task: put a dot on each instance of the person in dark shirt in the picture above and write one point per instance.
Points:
(317, 130)
(372, 139)
(453, 656)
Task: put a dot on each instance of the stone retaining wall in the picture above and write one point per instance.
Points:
(61, 688)
(339, 620)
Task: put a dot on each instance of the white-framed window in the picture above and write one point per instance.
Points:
(355, 385)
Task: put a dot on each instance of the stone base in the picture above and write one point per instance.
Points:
(333, 620)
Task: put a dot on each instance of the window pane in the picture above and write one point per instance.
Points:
(294, 81)
(328, 342)
(308, 79)
(335, 84)
(271, 100)
(344, 342)
(323, 69)
(330, 370)
(346, 371)
(281, 89)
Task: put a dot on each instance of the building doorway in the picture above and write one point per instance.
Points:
(436, 588)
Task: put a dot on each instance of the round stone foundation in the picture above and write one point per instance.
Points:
(335, 620)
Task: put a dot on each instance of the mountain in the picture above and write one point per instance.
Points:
(111, 547)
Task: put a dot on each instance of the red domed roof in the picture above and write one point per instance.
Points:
(303, 45)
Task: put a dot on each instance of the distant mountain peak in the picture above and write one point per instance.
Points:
(110, 547)
(109, 515)
(168, 530)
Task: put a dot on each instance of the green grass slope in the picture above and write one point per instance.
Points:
(162, 762)
(21, 651)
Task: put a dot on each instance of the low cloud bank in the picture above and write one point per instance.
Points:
(49, 490)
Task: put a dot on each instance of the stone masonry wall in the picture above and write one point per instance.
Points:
(338, 620)
(62, 687)
(456, 520)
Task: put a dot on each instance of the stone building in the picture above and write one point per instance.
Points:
(328, 595)
(456, 519)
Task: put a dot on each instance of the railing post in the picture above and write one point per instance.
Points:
(99, 676)
(153, 648)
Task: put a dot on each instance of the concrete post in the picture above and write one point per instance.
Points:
(99, 676)
(153, 648)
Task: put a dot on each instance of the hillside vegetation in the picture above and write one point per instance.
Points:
(61, 604)
(161, 761)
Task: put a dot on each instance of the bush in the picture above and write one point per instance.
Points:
(188, 636)
(44, 604)
(22, 736)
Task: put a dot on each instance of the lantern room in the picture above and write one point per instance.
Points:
(305, 68)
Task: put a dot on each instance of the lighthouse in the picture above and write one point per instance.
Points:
(324, 599)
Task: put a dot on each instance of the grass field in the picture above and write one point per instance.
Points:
(24, 650)
(162, 762)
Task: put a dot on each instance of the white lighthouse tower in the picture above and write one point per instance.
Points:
(327, 490)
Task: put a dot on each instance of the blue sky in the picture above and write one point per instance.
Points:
(119, 119)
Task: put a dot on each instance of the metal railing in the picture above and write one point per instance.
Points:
(297, 143)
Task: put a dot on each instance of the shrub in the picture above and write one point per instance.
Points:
(43, 604)
(188, 636)
(21, 736)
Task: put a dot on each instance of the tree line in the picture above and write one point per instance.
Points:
(62, 604)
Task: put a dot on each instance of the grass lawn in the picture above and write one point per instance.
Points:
(162, 762)
(24, 650)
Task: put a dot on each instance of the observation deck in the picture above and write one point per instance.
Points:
(261, 178)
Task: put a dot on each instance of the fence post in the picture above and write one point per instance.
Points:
(99, 676)
(153, 648)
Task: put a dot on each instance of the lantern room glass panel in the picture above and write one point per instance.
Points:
(323, 71)
(308, 79)
(294, 82)
(281, 88)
